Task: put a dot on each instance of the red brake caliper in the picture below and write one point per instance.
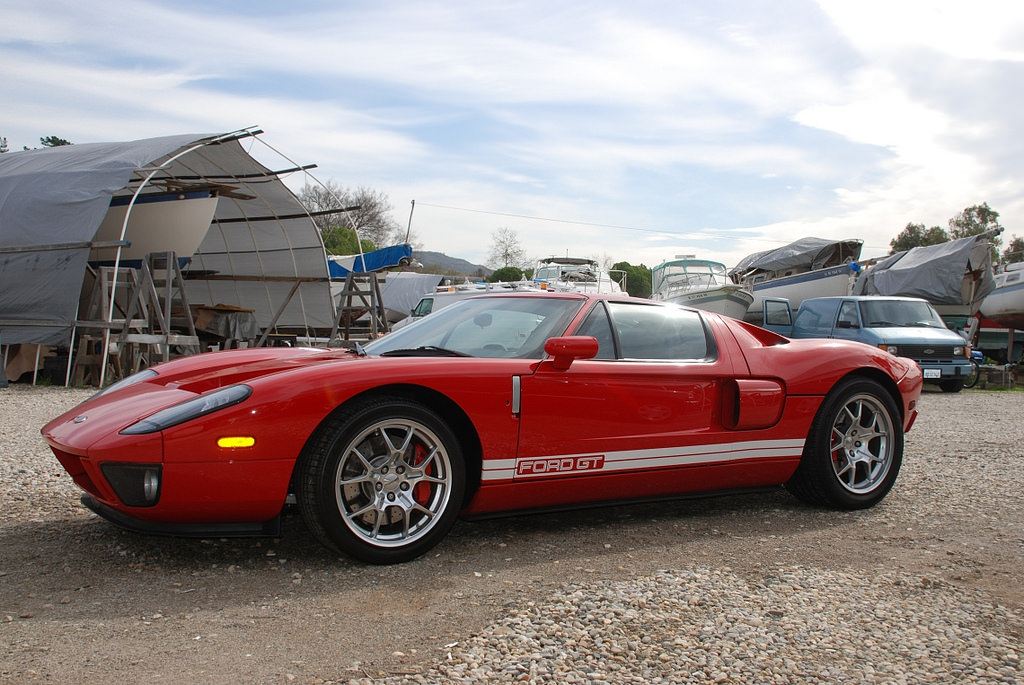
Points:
(421, 491)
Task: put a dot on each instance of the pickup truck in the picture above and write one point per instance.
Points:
(904, 326)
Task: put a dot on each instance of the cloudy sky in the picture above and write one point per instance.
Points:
(632, 131)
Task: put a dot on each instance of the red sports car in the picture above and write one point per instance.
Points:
(499, 403)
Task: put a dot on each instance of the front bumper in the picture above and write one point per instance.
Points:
(271, 528)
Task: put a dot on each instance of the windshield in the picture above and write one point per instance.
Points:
(897, 313)
(500, 327)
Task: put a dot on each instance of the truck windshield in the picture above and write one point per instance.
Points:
(899, 313)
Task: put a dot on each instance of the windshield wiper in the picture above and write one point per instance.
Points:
(424, 351)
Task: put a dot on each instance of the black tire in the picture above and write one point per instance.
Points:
(381, 481)
(952, 385)
(854, 448)
(972, 380)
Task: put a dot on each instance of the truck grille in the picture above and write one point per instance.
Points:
(929, 352)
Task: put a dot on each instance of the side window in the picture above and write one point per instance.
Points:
(598, 325)
(657, 332)
(848, 317)
(815, 318)
(424, 307)
(777, 314)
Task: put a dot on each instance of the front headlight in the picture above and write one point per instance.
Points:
(960, 352)
(891, 349)
(190, 409)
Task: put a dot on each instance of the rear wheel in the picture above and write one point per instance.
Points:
(854, 448)
(382, 481)
(972, 380)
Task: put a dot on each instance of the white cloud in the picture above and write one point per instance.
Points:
(708, 128)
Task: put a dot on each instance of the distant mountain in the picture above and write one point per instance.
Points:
(439, 262)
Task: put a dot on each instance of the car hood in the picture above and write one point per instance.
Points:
(179, 380)
(204, 372)
(919, 335)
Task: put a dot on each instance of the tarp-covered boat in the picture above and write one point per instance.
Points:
(809, 267)
(954, 276)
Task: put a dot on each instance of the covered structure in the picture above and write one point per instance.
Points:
(240, 236)
(954, 276)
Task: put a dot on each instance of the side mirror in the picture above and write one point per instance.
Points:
(564, 351)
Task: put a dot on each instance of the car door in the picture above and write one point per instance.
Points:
(644, 410)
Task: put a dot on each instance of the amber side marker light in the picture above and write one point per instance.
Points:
(235, 441)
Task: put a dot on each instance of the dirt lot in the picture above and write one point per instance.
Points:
(81, 601)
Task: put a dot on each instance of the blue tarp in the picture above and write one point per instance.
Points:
(384, 258)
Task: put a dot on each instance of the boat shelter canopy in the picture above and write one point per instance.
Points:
(261, 251)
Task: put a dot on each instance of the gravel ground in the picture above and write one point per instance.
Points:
(926, 587)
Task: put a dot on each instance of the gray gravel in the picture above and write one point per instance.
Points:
(925, 588)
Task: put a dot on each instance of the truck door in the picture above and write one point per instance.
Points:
(777, 315)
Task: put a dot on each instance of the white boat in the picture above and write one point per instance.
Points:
(809, 267)
(1005, 304)
(444, 295)
(699, 283)
(575, 275)
(161, 222)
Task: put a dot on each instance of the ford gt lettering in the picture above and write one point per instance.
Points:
(541, 467)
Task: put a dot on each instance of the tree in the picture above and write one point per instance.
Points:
(638, 278)
(506, 274)
(506, 249)
(335, 209)
(974, 221)
(342, 241)
(1014, 251)
(54, 141)
(916, 235)
(48, 141)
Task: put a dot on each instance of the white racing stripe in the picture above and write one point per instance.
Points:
(608, 462)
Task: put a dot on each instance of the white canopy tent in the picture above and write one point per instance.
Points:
(261, 250)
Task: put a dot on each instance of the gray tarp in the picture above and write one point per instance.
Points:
(52, 201)
(402, 290)
(812, 253)
(958, 272)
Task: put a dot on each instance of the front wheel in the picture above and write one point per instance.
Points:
(382, 481)
(854, 448)
(952, 385)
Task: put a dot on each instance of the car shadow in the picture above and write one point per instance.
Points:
(85, 553)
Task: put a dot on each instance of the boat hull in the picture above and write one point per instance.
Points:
(830, 281)
(731, 301)
(171, 225)
(1005, 306)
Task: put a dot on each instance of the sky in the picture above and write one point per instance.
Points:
(623, 131)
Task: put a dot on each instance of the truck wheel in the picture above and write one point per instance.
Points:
(954, 385)
(854, 448)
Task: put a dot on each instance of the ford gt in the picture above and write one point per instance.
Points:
(497, 404)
